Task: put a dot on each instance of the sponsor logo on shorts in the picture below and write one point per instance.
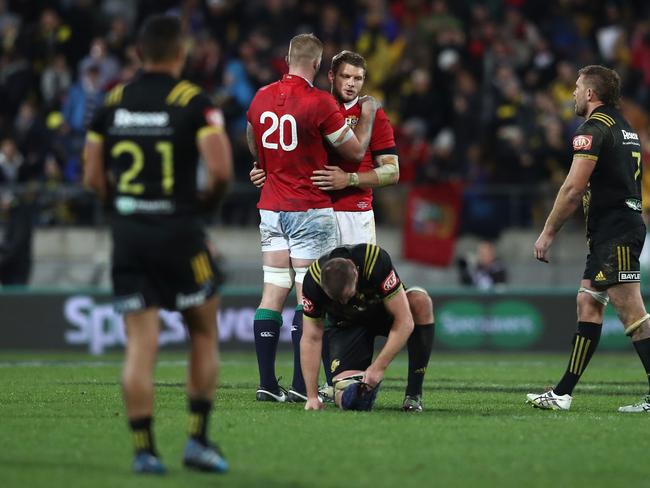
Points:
(128, 303)
(629, 276)
(335, 364)
(634, 204)
(307, 305)
(184, 301)
(390, 281)
(600, 277)
(582, 142)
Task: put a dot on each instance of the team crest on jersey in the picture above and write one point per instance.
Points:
(582, 143)
(307, 305)
(352, 120)
(390, 281)
(214, 117)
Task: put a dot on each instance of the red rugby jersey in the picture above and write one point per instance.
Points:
(382, 141)
(290, 119)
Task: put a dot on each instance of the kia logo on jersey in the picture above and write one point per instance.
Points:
(582, 143)
(390, 281)
(214, 117)
(307, 305)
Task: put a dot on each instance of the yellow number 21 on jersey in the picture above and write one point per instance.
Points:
(126, 184)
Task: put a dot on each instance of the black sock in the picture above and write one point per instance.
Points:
(266, 328)
(643, 350)
(142, 435)
(298, 382)
(585, 342)
(419, 348)
(325, 356)
(198, 423)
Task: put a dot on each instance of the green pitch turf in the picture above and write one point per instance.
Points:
(62, 425)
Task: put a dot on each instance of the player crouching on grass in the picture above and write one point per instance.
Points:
(360, 291)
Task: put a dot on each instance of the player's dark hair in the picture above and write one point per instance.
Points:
(336, 276)
(349, 57)
(160, 38)
(604, 81)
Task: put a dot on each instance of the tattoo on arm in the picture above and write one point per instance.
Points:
(250, 139)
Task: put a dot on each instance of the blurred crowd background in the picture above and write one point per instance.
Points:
(479, 92)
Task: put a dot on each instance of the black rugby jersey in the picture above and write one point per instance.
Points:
(613, 198)
(149, 128)
(378, 282)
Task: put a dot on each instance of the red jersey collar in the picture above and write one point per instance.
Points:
(293, 78)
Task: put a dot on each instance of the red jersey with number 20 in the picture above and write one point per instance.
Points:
(290, 119)
(382, 141)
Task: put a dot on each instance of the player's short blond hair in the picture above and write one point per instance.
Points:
(304, 48)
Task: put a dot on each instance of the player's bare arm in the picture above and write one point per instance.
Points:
(216, 151)
(94, 173)
(400, 331)
(353, 144)
(568, 199)
(310, 356)
(334, 178)
(250, 140)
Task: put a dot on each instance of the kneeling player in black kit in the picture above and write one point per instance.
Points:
(363, 297)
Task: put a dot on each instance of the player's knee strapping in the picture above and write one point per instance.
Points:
(300, 274)
(629, 329)
(281, 277)
(599, 296)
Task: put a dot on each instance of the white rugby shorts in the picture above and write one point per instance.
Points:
(307, 235)
(355, 228)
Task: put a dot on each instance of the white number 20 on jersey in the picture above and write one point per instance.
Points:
(282, 123)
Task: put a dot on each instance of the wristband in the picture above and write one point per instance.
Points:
(353, 179)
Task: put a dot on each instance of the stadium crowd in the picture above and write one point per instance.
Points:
(478, 91)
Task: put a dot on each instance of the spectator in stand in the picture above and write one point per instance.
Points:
(55, 82)
(101, 59)
(483, 269)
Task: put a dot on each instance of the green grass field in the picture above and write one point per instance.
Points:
(62, 425)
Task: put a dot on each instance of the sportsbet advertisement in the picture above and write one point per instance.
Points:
(500, 322)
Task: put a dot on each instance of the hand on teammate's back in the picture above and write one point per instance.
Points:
(257, 176)
(330, 178)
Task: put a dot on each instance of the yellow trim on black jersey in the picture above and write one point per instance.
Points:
(314, 271)
(605, 119)
(114, 96)
(92, 136)
(187, 95)
(182, 93)
(592, 157)
(207, 130)
(372, 252)
(395, 292)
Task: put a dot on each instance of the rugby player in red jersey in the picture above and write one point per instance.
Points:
(290, 125)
